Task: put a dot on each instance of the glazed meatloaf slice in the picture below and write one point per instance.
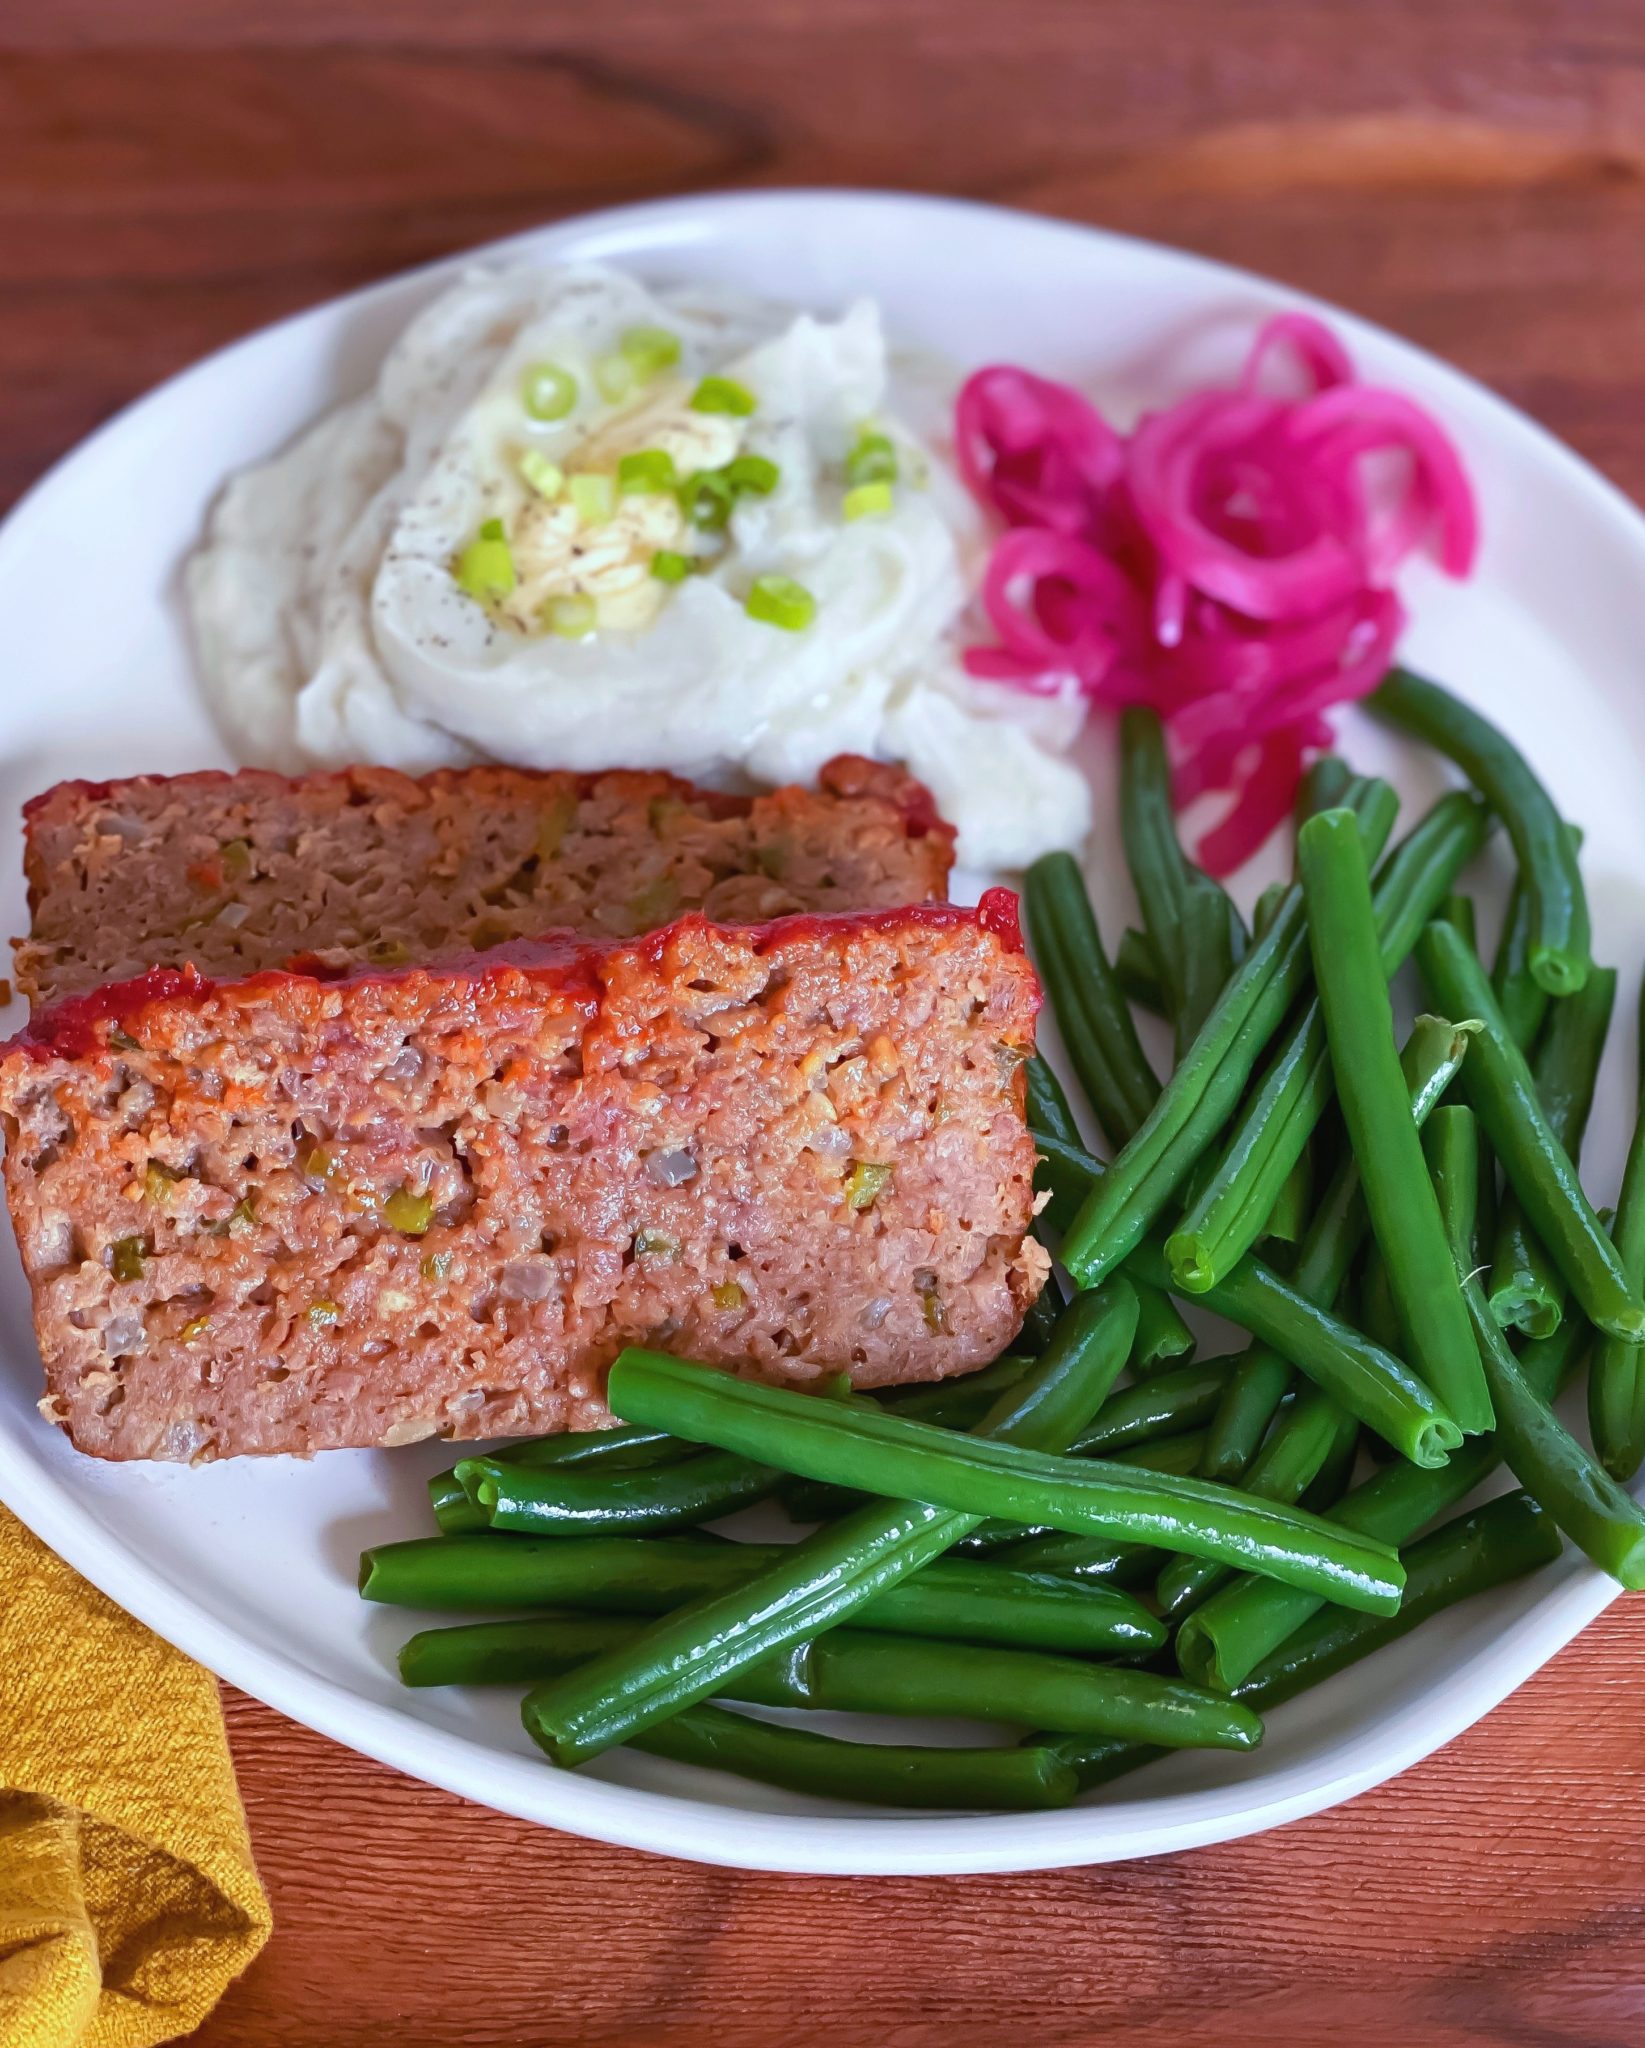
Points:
(291, 1213)
(240, 872)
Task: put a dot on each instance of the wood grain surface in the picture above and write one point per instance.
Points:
(176, 172)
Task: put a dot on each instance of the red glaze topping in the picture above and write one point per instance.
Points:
(998, 914)
(80, 1025)
(73, 1028)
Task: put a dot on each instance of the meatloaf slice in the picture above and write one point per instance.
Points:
(291, 1213)
(241, 872)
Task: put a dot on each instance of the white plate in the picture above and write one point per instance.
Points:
(248, 1565)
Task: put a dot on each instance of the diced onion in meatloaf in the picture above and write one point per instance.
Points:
(290, 1213)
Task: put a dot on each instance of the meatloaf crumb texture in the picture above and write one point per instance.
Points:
(291, 1213)
(241, 872)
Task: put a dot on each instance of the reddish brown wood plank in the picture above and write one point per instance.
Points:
(1490, 1895)
(1472, 172)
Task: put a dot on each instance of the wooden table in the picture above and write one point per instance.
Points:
(177, 172)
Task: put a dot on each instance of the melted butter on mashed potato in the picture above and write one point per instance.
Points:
(334, 625)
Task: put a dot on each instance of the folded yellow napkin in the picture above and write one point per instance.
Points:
(128, 1897)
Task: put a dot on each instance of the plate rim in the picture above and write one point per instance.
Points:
(704, 1830)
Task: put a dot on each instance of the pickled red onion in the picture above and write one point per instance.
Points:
(1226, 563)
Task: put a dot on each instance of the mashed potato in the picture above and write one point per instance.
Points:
(578, 523)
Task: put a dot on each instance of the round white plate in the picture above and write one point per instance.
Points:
(249, 1565)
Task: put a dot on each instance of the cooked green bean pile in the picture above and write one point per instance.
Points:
(1102, 1545)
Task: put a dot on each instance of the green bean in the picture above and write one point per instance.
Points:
(1378, 1316)
(1359, 1023)
(1268, 908)
(1150, 1411)
(1203, 1092)
(1323, 787)
(1088, 1558)
(1131, 1422)
(1195, 931)
(693, 1652)
(1330, 1483)
(1162, 1335)
(1087, 1001)
(1293, 1205)
(853, 1673)
(846, 1671)
(1268, 1136)
(1428, 1064)
(1041, 1318)
(1616, 1376)
(1259, 1381)
(1521, 998)
(1369, 1381)
(1295, 1453)
(1179, 1454)
(1599, 1516)
(1499, 1085)
(611, 1449)
(972, 1475)
(996, 1540)
(1161, 1405)
(1487, 1547)
(1221, 1643)
(1459, 913)
(1525, 1290)
(1047, 1102)
(954, 1404)
(1137, 970)
(864, 1773)
(959, 1403)
(1552, 881)
(882, 1774)
(573, 1503)
(1163, 1338)
(1250, 1401)
(1568, 1480)
(978, 1603)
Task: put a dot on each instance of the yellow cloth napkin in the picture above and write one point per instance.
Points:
(128, 1897)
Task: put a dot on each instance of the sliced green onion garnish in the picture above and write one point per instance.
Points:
(706, 498)
(547, 392)
(593, 493)
(485, 568)
(647, 469)
(872, 461)
(867, 501)
(649, 349)
(545, 478)
(614, 377)
(752, 473)
(780, 601)
(571, 617)
(669, 566)
(723, 394)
